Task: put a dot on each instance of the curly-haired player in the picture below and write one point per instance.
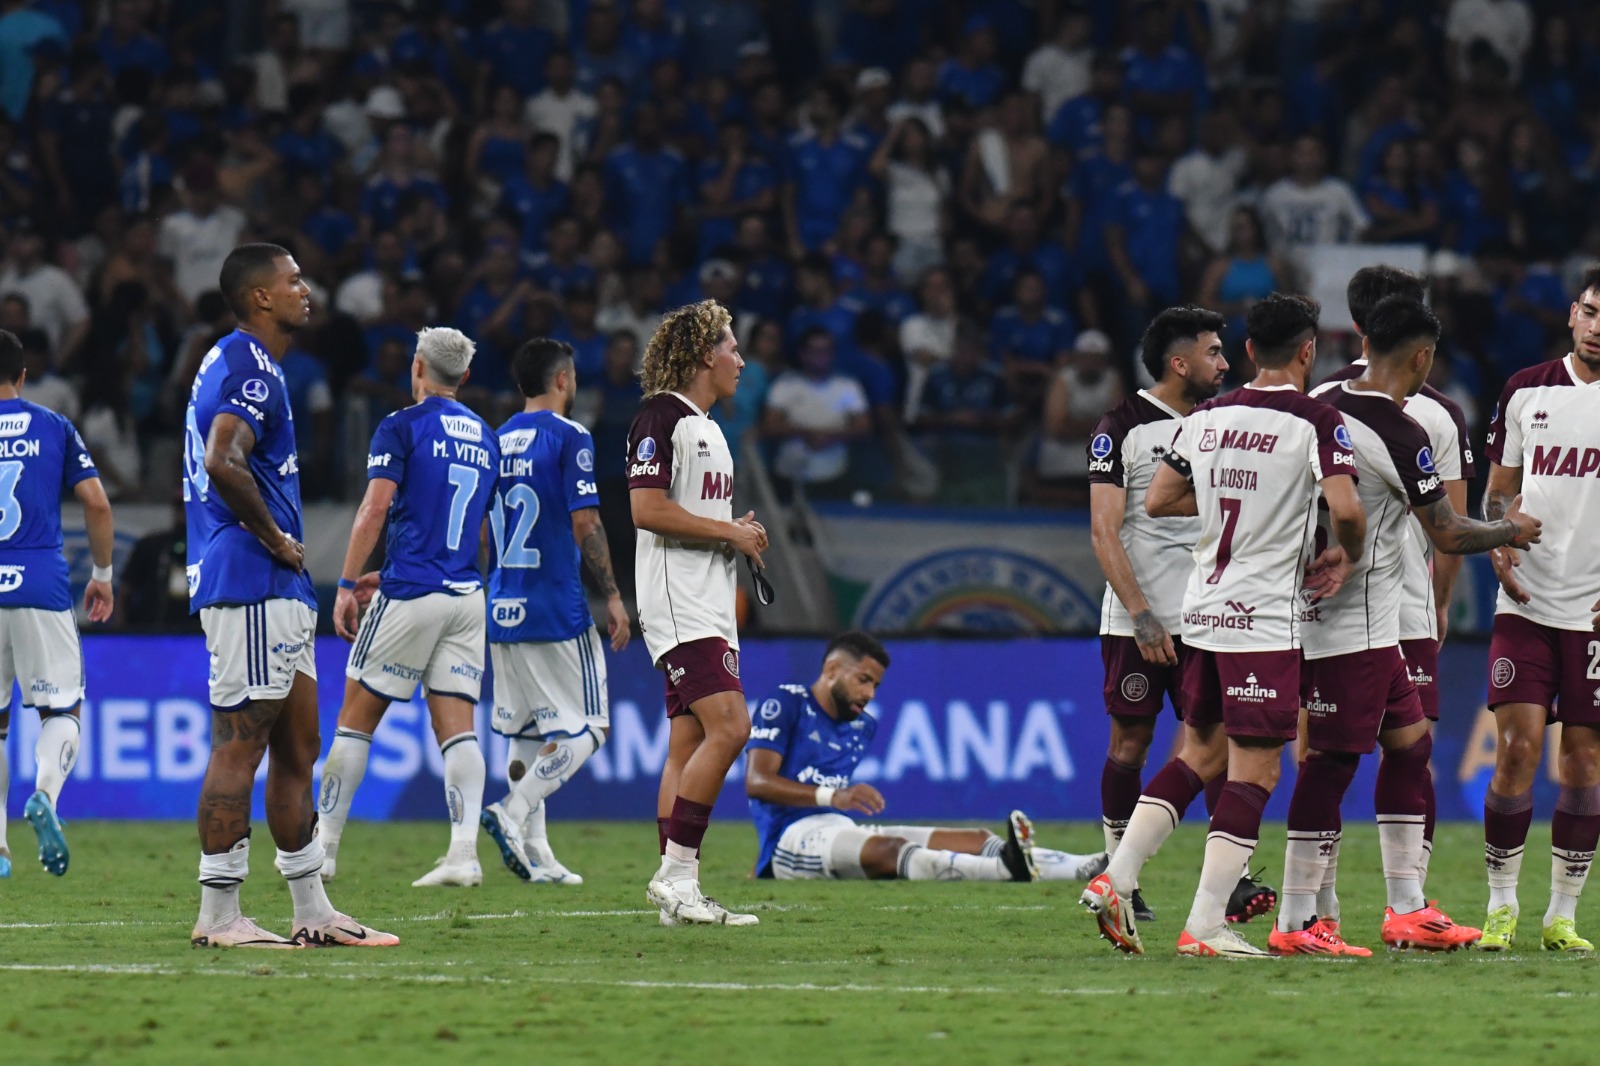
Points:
(680, 478)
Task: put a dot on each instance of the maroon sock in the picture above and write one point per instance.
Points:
(1505, 822)
(1403, 780)
(1175, 785)
(1119, 791)
(687, 826)
(1239, 810)
(661, 831)
(1214, 792)
(1319, 791)
(1575, 827)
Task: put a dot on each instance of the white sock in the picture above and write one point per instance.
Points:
(464, 774)
(548, 771)
(1400, 840)
(220, 878)
(1327, 896)
(1053, 865)
(1504, 869)
(56, 751)
(1565, 885)
(5, 786)
(1152, 823)
(300, 869)
(342, 772)
(1113, 832)
(1427, 857)
(533, 827)
(1227, 859)
(1303, 861)
(678, 863)
(918, 863)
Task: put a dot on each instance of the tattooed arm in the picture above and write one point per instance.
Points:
(1459, 535)
(591, 538)
(1107, 507)
(1505, 483)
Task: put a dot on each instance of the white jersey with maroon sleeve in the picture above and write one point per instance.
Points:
(686, 588)
(1128, 443)
(1446, 426)
(1396, 472)
(1548, 426)
(1255, 457)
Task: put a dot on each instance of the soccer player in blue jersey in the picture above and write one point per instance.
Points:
(247, 581)
(806, 742)
(549, 669)
(41, 457)
(431, 472)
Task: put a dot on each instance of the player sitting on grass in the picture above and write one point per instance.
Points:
(804, 745)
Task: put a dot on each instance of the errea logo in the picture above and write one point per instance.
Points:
(1541, 420)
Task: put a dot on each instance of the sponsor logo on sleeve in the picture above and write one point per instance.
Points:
(646, 450)
(1341, 436)
(768, 733)
(1425, 461)
(1100, 454)
(770, 709)
(255, 390)
(585, 460)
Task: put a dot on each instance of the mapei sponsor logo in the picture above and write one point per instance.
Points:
(1241, 616)
(1503, 672)
(1252, 691)
(1320, 707)
(517, 441)
(15, 425)
(1564, 462)
(1248, 441)
(461, 428)
(11, 578)
(716, 486)
(508, 612)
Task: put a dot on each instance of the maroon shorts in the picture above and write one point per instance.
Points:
(1350, 699)
(1252, 693)
(1134, 687)
(697, 669)
(1549, 668)
(1422, 663)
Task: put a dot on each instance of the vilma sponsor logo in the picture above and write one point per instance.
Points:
(1503, 672)
(1135, 687)
(15, 425)
(517, 441)
(1252, 691)
(462, 427)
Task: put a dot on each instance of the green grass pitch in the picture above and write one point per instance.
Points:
(96, 967)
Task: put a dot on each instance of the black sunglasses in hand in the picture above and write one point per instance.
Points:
(764, 593)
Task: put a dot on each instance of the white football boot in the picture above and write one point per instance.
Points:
(342, 931)
(241, 932)
(463, 873)
(544, 867)
(683, 902)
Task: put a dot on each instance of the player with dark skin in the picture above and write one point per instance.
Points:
(278, 305)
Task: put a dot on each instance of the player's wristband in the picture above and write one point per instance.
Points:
(346, 583)
(101, 573)
(824, 796)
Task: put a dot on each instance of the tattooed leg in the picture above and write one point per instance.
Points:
(238, 740)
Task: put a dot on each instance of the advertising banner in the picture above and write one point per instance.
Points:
(970, 729)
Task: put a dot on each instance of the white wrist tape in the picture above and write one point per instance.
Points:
(824, 796)
(100, 573)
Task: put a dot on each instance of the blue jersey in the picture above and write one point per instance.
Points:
(546, 473)
(227, 564)
(41, 457)
(816, 750)
(443, 460)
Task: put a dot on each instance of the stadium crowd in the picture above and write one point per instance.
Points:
(941, 225)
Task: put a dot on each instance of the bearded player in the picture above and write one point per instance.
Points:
(1147, 560)
(680, 482)
(806, 742)
(1544, 653)
(1249, 464)
(1355, 683)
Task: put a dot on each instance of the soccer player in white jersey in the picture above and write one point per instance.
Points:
(247, 581)
(1428, 577)
(550, 692)
(1544, 653)
(431, 471)
(1249, 464)
(680, 481)
(1146, 560)
(805, 743)
(1356, 684)
(41, 458)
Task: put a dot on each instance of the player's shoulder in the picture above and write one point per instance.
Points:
(783, 701)
(663, 411)
(30, 417)
(568, 427)
(1552, 373)
(1137, 410)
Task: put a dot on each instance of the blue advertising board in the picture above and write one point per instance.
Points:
(970, 730)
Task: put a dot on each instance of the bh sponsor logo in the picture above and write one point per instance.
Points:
(1252, 691)
(508, 612)
(11, 578)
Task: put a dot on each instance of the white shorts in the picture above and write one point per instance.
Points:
(822, 846)
(257, 649)
(40, 649)
(436, 639)
(544, 689)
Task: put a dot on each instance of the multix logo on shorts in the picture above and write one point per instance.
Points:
(466, 670)
(1252, 691)
(1503, 672)
(1135, 687)
(406, 673)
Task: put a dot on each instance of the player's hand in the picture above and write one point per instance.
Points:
(346, 615)
(1527, 527)
(1505, 560)
(366, 585)
(1594, 623)
(749, 537)
(289, 552)
(98, 599)
(1327, 573)
(863, 799)
(1155, 643)
(617, 625)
